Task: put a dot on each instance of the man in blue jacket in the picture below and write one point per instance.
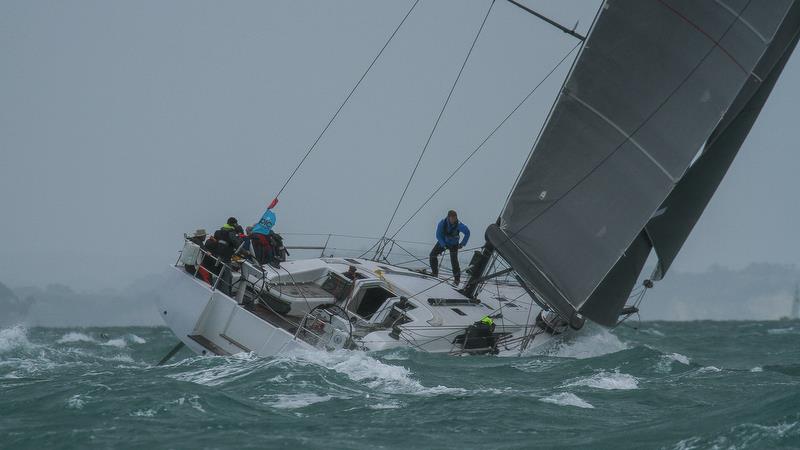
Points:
(447, 238)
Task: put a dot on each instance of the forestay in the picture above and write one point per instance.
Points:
(650, 86)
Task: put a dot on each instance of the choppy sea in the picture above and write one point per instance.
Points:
(671, 385)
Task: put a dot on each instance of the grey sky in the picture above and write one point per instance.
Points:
(124, 124)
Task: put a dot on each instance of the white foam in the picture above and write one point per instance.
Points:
(590, 343)
(709, 369)
(779, 430)
(118, 342)
(653, 332)
(688, 444)
(567, 399)
(75, 402)
(293, 401)
(392, 404)
(194, 401)
(144, 413)
(358, 366)
(74, 336)
(136, 339)
(666, 361)
(13, 338)
(677, 357)
(789, 330)
(608, 381)
(233, 368)
(757, 369)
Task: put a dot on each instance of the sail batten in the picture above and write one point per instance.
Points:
(628, 137)
(653, 82)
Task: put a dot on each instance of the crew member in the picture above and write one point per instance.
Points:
(228, 240)
(447, 238)
(260, 237)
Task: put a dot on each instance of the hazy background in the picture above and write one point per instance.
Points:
(125, 124)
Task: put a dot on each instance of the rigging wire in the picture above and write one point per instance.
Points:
(480, 146)
(336, 114)
(433, 130)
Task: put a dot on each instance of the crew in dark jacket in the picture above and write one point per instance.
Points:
(228, 240)
(447, 238)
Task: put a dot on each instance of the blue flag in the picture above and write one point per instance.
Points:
(264, 226)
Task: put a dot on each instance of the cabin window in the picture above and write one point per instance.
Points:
(459, 312)
(338, 286)
(370, 301)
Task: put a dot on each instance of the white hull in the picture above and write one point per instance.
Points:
(435, 316)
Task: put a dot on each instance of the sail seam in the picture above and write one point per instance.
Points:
(627, 136)
(708, 36)
(743, 21)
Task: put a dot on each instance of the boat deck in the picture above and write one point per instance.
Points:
(269, 316)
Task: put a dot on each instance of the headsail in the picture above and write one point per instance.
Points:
(679, 213)
(646, 92)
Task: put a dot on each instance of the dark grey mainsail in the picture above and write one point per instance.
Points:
(679, 213)
(652, 83)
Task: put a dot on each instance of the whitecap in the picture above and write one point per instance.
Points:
(677, 357)
(687, 444)
(757, 369)
(392, 404)
(75, 402)
(13, 338)
(665, 364)
(607, 380)
(709, 369)
(194, 401)
(788, 330)
(360, 367)
(118, 342)
(589, 343)
(567, 399)
(232, 368)
(652, 332)
(74, 336)
(136, 339)
(293, 401)
(144, 413)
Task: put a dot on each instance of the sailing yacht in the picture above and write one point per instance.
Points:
(660, 98)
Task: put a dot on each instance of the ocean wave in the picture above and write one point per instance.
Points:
(134, 339)
(224, 369)
(607, 380)
(653, 332)
(747, 435)
(75, 402)
(117, 342)
(74, 336)
(144, 413)
(666, 361)
(362, 368)
(567, 399)
(591, 343)
(294, 401)
(391, 404)
(14, 338)
(788, 330)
